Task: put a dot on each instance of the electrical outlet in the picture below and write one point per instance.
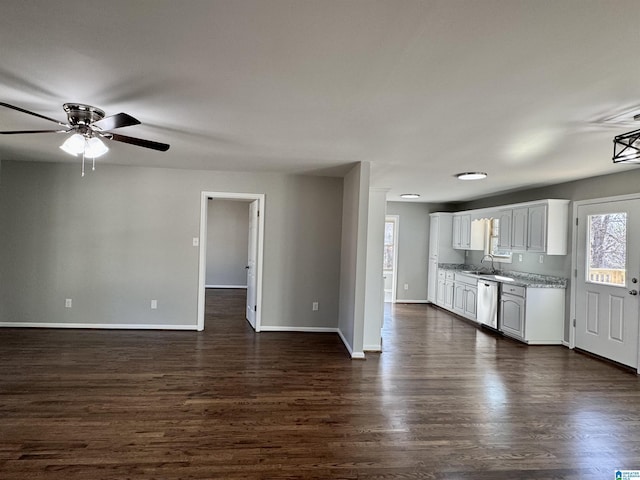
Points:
(314, 306)
(406, 286)
(519, 257)
(154, 304)
(68, 303)
(541, 259)
(196, 241)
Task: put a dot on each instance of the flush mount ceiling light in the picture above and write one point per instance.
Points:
(410, 195)
(471, 176)
(626, 147)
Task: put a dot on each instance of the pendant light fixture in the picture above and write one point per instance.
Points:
(626, 147)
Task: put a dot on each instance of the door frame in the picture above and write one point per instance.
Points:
(202, 266)
(574, 258)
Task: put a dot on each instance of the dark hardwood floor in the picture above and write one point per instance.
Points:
(444, 401)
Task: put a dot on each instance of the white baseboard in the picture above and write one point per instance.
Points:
(372, 348)
(566, 344)
(108, 326)
(278, 328)
(412, 301)
(354, 355)
(226, 286)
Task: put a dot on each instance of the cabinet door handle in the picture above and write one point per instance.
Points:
(633, 292)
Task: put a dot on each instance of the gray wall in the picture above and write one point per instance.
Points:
(622, 183)
(354, 256)
(413, 247)
(227, 242)
(122, 236)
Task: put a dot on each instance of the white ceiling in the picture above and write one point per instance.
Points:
(532, 92)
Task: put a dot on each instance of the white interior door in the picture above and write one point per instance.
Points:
(607, 280)
(252, 255)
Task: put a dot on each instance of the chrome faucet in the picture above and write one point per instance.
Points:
(493, 268)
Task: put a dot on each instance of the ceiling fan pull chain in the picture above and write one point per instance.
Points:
(93, 168)
(85, 147)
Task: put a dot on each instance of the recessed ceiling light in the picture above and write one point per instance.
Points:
(471, 176)
(410, 195)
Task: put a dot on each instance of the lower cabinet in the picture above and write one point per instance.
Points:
(465, 296)
(512, 315)
(444, 295)
(532, 315)
(448, 294)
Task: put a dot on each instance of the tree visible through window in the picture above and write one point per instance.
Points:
(607, 249)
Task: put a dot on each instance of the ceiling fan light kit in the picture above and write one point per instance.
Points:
(88, 125)
(91, 147)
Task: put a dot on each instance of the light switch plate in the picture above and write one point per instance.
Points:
(196, 242)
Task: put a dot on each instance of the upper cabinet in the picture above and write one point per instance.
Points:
(462, 231)
(504, 235)
(541, 227)
(537, 227)
(468, 234)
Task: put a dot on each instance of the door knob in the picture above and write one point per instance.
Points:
(633, 292)
(634, 280)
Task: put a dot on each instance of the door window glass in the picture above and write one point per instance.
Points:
(389, 245)
(607, 252)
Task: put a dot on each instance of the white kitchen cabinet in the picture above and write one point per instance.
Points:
(537, 228)
(471, 302)
(440, 251)
(449, 286)
(533, 315)
(461, 231)
(465, 295)
(504, 235)
(458, 298)
(440, 295)
(519, 226)
(432, 280)
(512, 315)
(541, 227)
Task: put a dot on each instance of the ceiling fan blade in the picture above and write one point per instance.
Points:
(13, 107)
(163, 147)
(14, 132)
(118, 120)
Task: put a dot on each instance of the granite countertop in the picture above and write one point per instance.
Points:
(523, 279)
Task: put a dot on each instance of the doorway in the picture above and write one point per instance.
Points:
(390, 258)
(254, 267)
(607, 274)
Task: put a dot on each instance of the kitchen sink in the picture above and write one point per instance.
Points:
(473, 272)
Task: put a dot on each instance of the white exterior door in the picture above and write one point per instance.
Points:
(252, 255)
(608, 272)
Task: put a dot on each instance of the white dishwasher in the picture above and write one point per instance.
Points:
(488, 303)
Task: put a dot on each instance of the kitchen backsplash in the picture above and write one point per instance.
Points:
(555, 265)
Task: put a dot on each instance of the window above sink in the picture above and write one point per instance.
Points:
(492, 245)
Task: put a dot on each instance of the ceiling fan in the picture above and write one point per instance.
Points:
(88, 125)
